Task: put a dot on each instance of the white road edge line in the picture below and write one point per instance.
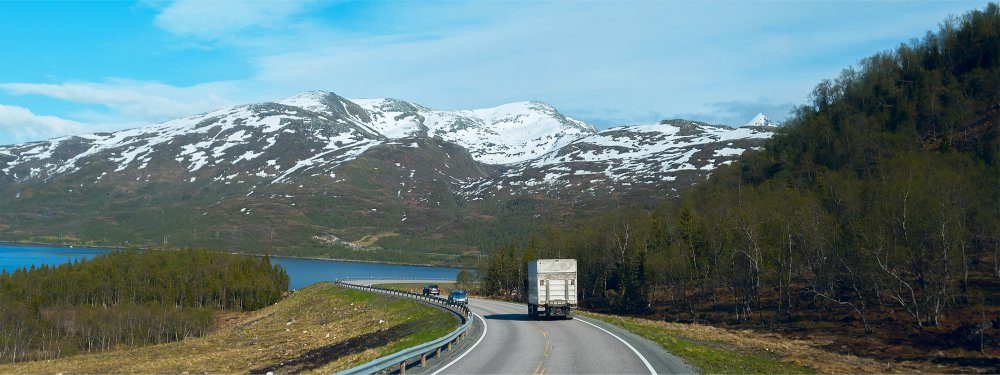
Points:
(485, 328)
(644, 361)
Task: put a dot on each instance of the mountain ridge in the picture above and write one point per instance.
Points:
(318, 165)
(759, 120)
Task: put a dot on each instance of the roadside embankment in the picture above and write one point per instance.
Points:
(718, 350)
(319, 329)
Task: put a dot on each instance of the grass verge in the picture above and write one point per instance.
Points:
(725, 350)
(711, 357)
(319, 329)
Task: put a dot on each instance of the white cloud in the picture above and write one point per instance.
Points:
(136, 101)
(738, 112)
(639, 58)
(597, 56)
(610, 63)
(217, 19)
(19, 124)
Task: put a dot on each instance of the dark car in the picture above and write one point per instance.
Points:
(432, 289)
(458, 297)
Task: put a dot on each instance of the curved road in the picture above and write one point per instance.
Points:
(506, 341)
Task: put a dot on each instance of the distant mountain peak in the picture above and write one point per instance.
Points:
(759, 120)
(312, 100)
(308, 96)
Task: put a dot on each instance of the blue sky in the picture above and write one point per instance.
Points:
(75, 67)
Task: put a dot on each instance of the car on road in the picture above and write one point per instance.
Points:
(458, 297)
(432, 290)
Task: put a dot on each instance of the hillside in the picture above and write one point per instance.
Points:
(322, 175)
(319, 329)
(871, 220)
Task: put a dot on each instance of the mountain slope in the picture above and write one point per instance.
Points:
(622, 157)
(319, 174)
(507, 134)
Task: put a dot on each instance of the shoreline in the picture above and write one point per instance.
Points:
(63, 245)
(349, 260)
(113, 248)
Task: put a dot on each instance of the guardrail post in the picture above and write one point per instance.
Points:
(423, 360)
(438, 353)
(449, 345)
(402, 368)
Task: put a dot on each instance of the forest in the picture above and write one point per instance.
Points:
(126, 299)
(875, 209)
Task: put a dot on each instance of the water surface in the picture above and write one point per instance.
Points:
(301, 271)
(307, 271)
(13, 257)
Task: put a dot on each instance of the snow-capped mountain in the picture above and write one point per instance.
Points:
(627, 156)
(335, 129)
(759, 120)
(506, 134)
(318, 166)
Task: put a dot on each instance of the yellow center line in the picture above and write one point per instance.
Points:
(539, 370)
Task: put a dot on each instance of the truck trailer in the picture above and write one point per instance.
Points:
(551, 288)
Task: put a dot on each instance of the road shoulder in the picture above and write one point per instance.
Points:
(663, 362)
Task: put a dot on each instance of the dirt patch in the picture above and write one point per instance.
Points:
(227, 319)
(370, 240)
(319, 357)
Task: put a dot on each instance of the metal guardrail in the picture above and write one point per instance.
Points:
(393, 278)
(399, 360)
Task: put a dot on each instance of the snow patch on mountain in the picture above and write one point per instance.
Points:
(626, 156)
(759, 120)
(394, 118)
(312, 134)
(506, 134)
(197, 141)
(312, 101)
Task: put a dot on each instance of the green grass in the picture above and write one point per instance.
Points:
(434, 322)
(708, 356)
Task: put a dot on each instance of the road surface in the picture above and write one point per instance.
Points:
(505, 341)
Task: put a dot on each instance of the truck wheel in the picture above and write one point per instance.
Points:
(531, 312)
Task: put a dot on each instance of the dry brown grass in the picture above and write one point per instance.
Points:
(370, 240)
(317, 317)
(810, 353)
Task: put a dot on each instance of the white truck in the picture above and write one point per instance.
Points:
(551, 288)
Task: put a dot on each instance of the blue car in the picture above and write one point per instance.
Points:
(458, 297)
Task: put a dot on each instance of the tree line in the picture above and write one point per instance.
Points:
(880, 198)
(126, 299)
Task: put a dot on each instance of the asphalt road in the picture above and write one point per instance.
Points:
(505, 341)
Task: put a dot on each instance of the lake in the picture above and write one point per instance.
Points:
(301, 271)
